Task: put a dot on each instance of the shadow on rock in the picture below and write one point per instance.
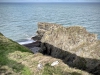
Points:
(87, 64)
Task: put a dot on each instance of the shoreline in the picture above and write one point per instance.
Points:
(25, 41)
(32, 44)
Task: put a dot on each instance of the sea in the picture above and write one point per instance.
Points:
(18, 21)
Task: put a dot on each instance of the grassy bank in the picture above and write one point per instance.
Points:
(18, 60)
(7, 65)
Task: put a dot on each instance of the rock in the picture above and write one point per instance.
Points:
(37, 37)
(74, 45)
(43, 27)
(40, 66)
(34, 44)
(55, 63)
(35, 49)
(1, 34)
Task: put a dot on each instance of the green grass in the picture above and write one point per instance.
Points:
(49, 70)
(26, 71)
(8, 46)
(57, 70)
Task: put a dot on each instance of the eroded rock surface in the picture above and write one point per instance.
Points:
(43, 27)
(74, 45)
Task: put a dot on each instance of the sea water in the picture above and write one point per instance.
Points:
(18, 21)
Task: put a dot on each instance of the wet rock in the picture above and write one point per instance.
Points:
(34, 44)
(37, 37)
(35, 49)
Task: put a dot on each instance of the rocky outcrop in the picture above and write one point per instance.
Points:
(74, 45)
(43, 27)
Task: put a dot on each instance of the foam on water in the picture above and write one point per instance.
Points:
(25, 41)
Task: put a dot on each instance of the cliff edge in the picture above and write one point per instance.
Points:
(74, 45)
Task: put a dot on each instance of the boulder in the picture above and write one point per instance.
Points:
(74, 45)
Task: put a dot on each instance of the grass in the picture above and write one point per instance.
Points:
(26, 71)
(18, 60)
(49, 70)
(8, 46)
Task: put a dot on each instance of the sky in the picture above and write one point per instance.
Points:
(49, 0)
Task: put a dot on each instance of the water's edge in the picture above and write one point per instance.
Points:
(25, 41)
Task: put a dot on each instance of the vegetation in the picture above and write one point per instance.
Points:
(18, 60)
(8, 66)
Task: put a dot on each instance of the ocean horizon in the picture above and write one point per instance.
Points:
(18, 21)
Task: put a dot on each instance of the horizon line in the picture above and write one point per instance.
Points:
(49, 2)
